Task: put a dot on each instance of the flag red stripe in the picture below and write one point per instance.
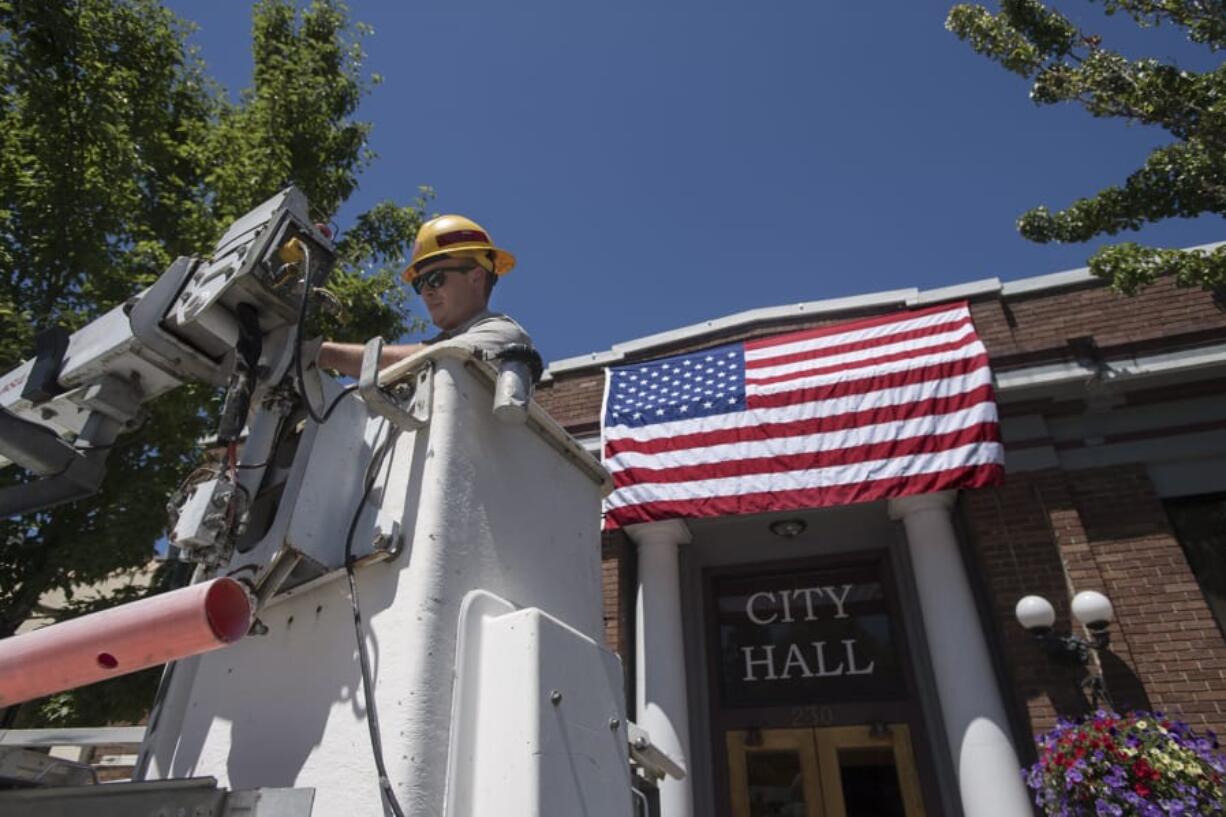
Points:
(864, 385)
(906, 354)
(970, 476)
(809, 426)
(891, 449)
(851, 326)
(856, 346)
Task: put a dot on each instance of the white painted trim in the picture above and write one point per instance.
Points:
(910, 297)
(771, 313)
(957, 292)
(591, 360)
(1054, 280)
(1046, 374)
(671, 532)
(898, 297)
(1162, 363)
(1069, 278)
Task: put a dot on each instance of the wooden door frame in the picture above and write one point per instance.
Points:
(898, 739)
(818, 749)
(800, 740)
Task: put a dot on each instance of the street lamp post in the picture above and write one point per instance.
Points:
(1094, 611)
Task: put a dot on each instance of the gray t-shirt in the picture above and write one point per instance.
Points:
(488, 331)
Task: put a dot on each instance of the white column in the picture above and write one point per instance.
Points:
(659, 654)
(975, 722)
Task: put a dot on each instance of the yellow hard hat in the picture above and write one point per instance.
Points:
(455, 235)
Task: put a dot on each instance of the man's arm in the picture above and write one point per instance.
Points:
(346, 358)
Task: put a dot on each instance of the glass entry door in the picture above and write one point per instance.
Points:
(838, 771)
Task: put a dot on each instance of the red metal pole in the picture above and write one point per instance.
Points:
(124, 639)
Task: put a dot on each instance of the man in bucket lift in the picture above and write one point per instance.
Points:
(453, 267)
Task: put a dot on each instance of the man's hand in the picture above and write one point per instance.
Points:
(309, 353)
(346, 358)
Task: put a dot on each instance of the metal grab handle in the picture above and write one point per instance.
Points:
(417, 394)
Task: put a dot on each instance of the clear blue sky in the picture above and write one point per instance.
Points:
(655, 164)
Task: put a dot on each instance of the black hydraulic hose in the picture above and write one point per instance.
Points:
(300, 337)
(368, 685)
(242, 380)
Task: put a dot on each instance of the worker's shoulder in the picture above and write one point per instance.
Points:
(497, 320)
(491, 332)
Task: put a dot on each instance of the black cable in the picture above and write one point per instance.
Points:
(237, 403)
(298, 341)
(368, 686)
(372, 469)
(347, 390)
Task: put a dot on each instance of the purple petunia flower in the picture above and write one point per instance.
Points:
(1105, 809)
(1100, 782)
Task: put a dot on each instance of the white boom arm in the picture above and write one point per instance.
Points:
(201, 320)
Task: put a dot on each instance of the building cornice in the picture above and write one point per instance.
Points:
(1021, 383)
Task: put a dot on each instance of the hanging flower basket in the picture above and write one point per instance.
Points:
(1142, 763)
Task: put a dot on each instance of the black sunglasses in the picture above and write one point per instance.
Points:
(436, 277)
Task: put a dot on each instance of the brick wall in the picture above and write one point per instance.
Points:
(1055, 533)
(614, 577)
(574, 401)
(618, 592)
(1020, 328)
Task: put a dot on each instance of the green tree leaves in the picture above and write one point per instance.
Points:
(295, 123)
(1181, 180)
(1205, 20)
(117, 154)
(1022, 38)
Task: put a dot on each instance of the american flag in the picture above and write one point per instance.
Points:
(883, 407)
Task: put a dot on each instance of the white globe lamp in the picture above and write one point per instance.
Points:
(1093, 609)
(1035, 613)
